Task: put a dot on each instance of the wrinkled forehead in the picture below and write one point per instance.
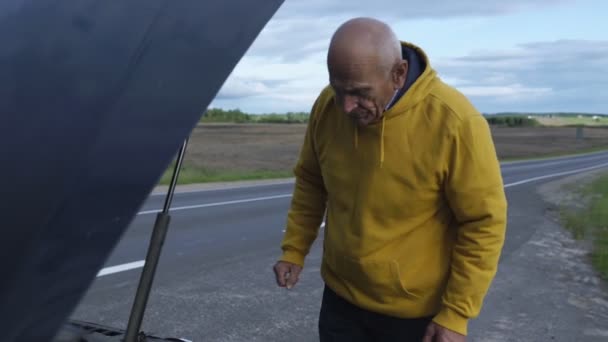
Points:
(351, 86)
(354, 73)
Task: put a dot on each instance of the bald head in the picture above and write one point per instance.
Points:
(366, 68)
(364, 41)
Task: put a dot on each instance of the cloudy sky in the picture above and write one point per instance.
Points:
(517, 55)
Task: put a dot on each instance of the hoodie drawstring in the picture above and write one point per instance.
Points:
(381, 140)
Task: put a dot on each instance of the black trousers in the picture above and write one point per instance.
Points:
(340, 321)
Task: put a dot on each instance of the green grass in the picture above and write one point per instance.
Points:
(219, 115)
(193, 175)
(591, 222)
(586, 121)
(190, 175)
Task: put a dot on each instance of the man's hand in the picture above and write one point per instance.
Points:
(287, 273)
(437, 333)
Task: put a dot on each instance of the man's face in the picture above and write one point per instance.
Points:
(362, 92)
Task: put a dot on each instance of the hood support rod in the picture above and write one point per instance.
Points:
(157, 240)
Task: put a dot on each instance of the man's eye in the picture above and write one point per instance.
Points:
(364, 95)
(358, 93)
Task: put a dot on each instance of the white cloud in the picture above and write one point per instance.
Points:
(285, 68)
(305, 26)
(413, 9)
(559, 75)
(237, 87)
(285, 86)
(293, 38)
(511, 91)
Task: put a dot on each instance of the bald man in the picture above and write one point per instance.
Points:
(404, 170)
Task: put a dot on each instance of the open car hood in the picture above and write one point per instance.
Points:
(96, 97)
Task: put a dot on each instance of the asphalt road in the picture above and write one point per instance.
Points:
(215, 282)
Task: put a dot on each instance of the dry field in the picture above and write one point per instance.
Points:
(270, 150)
(530, 142)
(245, 147)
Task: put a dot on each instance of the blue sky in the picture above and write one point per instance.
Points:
(521, 55)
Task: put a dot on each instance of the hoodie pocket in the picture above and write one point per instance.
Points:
(377, 279)
(401, 281)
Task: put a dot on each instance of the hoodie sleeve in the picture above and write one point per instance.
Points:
(308, 203)
(475, 192)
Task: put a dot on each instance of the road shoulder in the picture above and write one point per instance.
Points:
(546, 289)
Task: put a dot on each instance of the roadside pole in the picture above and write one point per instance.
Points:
(580, 134)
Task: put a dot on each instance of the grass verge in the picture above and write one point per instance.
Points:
(590, 222)
(579, 152)
(194, 175)
(191, 175)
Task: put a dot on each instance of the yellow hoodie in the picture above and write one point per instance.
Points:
(415, 205)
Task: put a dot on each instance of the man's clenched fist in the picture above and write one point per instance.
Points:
(287, 273)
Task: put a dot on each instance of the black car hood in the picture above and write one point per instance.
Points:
(96, 97)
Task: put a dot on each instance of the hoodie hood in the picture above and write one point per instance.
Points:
(416, 87)
(419, 74)
(416, 61)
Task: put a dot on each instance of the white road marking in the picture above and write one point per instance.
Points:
(140, 263)
(529, 180)
(540, 165)
(321, 226)
(215, 204)
(121, 268)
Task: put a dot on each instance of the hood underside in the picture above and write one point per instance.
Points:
(96, 97)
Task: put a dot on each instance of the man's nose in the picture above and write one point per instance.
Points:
(350, 103)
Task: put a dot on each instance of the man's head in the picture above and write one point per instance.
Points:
(365, 68)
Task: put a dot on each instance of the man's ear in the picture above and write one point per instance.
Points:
(400, 74)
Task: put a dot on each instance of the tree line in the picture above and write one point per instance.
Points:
(511, 121)
(237, 116)
(217, 115)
